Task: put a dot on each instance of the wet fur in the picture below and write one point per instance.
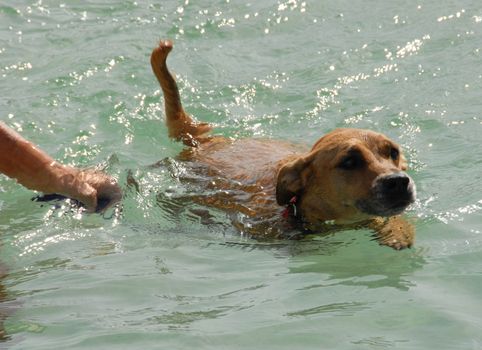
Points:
(254, 179)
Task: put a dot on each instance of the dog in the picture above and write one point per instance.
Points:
(349, 178)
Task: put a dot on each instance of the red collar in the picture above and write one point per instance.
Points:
(291, 208)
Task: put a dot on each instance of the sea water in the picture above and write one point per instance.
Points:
(155, 273)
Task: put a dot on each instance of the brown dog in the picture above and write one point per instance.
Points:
(349, 177)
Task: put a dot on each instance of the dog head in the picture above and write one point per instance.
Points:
(350, 175)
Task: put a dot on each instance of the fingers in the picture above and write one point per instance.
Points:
(94, 189)
(108, 194)
(87, 195)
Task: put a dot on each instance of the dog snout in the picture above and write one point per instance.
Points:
(395, 184)
(391, 194)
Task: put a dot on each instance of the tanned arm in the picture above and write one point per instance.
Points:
(34, 169)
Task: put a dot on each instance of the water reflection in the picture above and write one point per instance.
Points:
(345, 258)
(4, 309)
(358, 264)
(8, 304)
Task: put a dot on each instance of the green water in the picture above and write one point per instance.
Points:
(75, 79)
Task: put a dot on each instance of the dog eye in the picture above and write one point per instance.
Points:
(351, 162)
(394, 153)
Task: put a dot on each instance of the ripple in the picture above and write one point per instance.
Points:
(339, 309)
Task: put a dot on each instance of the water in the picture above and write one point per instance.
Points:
(75, 79)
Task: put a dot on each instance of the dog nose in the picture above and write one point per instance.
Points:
(395, 183)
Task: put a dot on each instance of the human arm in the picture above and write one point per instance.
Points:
(36, 170)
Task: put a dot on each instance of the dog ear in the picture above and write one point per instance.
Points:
(291, 180)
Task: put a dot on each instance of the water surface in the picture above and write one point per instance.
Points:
(75, 79)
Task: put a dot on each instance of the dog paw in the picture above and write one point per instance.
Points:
(395, 233)
(398, 244)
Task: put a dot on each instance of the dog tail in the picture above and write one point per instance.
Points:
(181, 125)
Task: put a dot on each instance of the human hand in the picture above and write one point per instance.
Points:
(94, 189)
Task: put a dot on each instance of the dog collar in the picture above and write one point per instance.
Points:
(291, 209)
